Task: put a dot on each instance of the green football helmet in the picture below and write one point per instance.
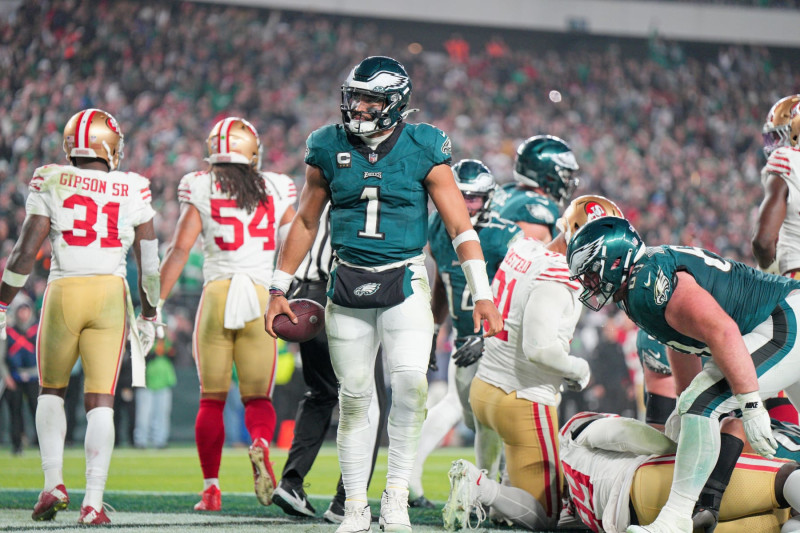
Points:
(382, 84)
(477, 184)
(547, 162)
(601, 255)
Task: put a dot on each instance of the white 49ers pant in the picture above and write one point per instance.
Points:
(405, 332)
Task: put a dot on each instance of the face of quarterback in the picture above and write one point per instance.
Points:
(365, 107)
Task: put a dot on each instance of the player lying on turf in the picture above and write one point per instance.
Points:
(619, 472)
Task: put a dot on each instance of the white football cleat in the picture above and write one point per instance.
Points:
(357, 518)
(394, 511)
(465, 479)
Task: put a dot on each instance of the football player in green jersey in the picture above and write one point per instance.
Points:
(451, 296)
(698, 303)
(378, 172)
(545, 180)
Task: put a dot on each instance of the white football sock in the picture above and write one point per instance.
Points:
(698, 449)
(407, 414)
(210, 482)
(98, 445)
(353, 441)
(51, 428)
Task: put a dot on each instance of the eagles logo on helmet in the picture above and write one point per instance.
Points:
(378, 87)
(477, 185)
(94, 134)
(547, 162)
(234, 140)
(782, 127)
(600, 255)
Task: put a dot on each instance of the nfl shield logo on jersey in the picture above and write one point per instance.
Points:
(373, 158)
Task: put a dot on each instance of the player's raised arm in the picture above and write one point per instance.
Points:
(299, 238)
(449, 202)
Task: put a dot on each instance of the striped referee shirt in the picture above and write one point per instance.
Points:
(316, 265)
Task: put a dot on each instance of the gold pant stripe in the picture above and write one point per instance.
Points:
(216, 348)
(529, 431)
(82, 317)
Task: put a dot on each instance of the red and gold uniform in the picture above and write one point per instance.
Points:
(239, 251)
(92, 215)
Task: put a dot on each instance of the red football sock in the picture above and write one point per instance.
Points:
(260, 418)
(209, 434)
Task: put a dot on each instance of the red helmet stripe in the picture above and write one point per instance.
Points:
(228, 135)
(78, 129)
(85, 123)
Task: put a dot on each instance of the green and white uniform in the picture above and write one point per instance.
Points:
(761, 305)
(378, 219)
(513, 203)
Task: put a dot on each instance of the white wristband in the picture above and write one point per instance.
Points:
(477, 279)
(13, 279)
(281, 280)
(149, 256)
(469, 235)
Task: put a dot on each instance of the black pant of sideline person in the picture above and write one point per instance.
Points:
(314, 417)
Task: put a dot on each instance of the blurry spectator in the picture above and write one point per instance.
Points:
(23, 386)
(458, 48)
(154, 403)
(496, 47)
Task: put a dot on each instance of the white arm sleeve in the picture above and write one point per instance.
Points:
(543, 336)
(625, 435)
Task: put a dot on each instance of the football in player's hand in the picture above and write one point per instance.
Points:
(310, 321)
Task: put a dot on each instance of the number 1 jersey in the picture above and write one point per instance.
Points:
(235, 241)
(92, 215)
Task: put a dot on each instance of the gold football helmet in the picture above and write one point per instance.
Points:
(234, 140)
(94, 133)
(584, 209)
(782, 127)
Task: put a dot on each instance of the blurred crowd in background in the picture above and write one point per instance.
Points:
(669, 131)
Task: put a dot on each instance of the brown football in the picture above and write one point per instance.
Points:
(310, 321)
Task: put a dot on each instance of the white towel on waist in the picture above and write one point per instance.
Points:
(242, 304)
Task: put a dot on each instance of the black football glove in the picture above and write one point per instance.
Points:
(432, 358)
(470, 351)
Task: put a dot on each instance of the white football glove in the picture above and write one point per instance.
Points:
(756, 424)
(147, 332)
(580, 376)
(3, 325)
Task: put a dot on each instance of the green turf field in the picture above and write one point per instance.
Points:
(154, 491)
